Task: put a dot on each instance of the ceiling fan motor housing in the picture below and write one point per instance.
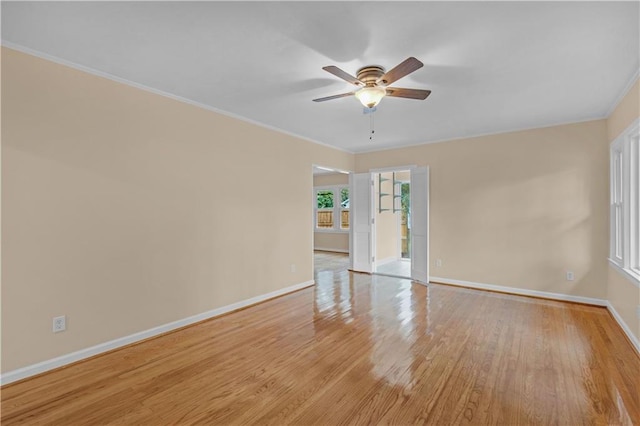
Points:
(370, 75)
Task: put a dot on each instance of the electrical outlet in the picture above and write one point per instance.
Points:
(293, 268)
(59, 324)
(439, 262)
(570, 276)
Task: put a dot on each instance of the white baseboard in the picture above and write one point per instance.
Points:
(41, 367)
(623, 325)
(331, 249)
(521, 291)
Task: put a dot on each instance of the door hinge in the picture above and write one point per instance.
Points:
(373, 259)
(373, 220)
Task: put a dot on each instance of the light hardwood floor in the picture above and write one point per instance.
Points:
(399, 268)
(357, 349)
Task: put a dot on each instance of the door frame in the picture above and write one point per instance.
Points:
(361, 224)
(372, 212)
(420, 228)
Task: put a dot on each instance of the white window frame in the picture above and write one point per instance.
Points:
(337, 208)
(634, 203)
(624, 212)
(617, 204)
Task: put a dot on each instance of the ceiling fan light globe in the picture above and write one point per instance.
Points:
(370, 96)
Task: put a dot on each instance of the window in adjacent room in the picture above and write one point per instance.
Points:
(324, 209)
(344, 208)
(332, 208)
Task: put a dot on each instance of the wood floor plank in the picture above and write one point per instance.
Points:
(357, 349)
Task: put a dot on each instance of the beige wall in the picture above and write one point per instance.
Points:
(331, 241)
(517, 209)
(118, 212)
(625, 112)
(623, 295)
(331, 179)
(403, 176)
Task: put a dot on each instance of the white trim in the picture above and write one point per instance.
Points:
(617, 201)
(330, 187)
(623, 199)
(623, 93)
(333, 250)
(330, 230)
(521, 291)
(625, 273)
(41, 367)
(633, 339)
(178, 98)
(121, 80)
(474, 135)
(393, 169)
(329, 170)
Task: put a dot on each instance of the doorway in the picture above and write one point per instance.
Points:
(331, 214)
(392, 223)
(376, 230)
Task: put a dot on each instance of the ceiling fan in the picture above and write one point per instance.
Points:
(373, 83)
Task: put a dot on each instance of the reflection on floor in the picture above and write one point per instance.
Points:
(330, 261)
(339, 262)
(357, 349)
(398, 268)
(513, 360)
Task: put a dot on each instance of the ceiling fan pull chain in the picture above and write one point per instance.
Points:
(371, 126)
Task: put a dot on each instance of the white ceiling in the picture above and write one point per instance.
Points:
(492, 67)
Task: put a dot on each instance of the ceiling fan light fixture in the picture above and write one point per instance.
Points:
(371, 96)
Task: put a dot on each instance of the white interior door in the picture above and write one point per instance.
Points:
(361, 234)
(419, 216)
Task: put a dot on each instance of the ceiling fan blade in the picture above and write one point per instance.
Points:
(328, 98)
(408, 93)
(404, 68)
(343, 75)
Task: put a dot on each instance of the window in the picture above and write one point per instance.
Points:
(617, 204)
(625, 203)
(634, 200)
(344, 208)
(332, 208)
(324, 209)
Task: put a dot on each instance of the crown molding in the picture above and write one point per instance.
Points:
(92, 71)
(622, 93)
